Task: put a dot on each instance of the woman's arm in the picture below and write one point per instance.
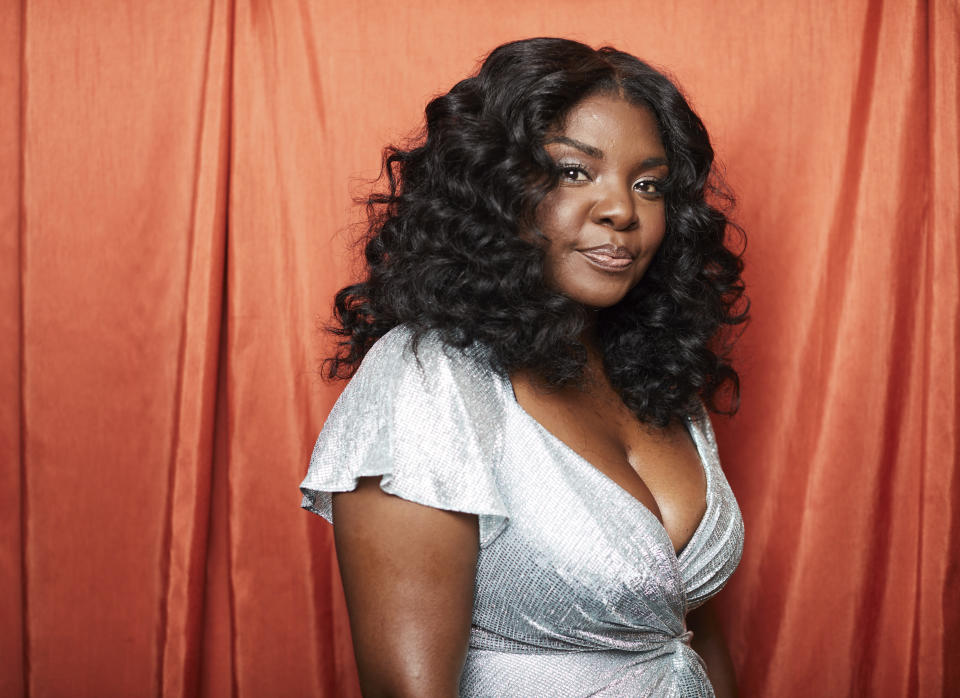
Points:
(408, 575)
(709, 644)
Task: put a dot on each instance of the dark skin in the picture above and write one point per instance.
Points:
(659, 467)
(408, 574)
(408, 570)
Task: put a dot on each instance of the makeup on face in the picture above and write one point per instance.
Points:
(605, 220)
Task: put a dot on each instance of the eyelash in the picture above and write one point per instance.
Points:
(565, 168)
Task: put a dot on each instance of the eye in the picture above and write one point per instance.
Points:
(649, 187)
(573, 172)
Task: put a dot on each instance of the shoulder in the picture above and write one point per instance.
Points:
(403, 362)
(424, 416)
(426, 349)
(407, 381)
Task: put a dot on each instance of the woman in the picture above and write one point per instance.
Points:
(524, 481)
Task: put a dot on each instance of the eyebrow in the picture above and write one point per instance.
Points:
(596, 153)
(579, 145)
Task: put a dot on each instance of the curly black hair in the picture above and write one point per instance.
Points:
(446, 248)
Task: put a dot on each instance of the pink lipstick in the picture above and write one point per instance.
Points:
(609, 257)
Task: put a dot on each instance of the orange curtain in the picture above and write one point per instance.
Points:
(175, 207)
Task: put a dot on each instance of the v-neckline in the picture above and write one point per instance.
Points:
(511, 396)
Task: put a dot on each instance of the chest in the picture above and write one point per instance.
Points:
(659, 467)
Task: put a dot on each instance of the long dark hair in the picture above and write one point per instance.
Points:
(444, 250)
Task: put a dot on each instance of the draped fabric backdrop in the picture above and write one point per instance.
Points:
(175, 211)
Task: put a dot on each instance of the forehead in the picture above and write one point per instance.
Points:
(614, 125)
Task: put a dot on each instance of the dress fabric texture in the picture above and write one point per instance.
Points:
(578, 591)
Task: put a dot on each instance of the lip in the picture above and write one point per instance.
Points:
(609, 257)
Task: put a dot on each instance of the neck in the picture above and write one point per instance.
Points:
(590, 339)
(589, 336)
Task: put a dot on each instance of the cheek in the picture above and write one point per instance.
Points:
(655, 228)
(559, 219)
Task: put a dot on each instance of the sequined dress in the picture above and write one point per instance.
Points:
(578, 591)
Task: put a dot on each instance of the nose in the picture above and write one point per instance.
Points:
(615, 207)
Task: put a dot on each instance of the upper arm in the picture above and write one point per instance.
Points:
(408, 574)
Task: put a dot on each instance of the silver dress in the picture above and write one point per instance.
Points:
(579, 591)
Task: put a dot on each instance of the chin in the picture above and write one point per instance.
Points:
(597, 301)
(594, 291)
(601, 305)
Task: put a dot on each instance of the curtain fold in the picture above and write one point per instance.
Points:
(934, 667)
(12, 508)
(188, 504)
(276, 274)
(176, 185)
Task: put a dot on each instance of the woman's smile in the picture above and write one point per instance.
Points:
(609, 257)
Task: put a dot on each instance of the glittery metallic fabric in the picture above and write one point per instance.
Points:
(579, 591)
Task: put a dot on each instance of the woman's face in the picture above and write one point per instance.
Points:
(605, 220)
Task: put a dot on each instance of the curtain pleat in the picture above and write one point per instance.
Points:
(176, 186)
(12, 508)
(186, 535)
(124, 199)
(934, 668)
(277, 153)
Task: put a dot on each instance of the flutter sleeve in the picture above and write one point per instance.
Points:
(429, 422)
